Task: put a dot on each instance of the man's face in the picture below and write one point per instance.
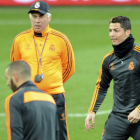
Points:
(117, 34)
(10, 82)
(39, 22)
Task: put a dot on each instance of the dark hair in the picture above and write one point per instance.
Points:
(124, 22)
(21, 67)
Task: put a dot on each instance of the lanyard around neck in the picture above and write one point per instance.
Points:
(40, 54)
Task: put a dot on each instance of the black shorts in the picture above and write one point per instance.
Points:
(119, 128)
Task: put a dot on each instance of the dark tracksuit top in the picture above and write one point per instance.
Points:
(30, 114)
(125, 73)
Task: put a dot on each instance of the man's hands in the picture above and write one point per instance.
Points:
(88, 125)
(134, 116)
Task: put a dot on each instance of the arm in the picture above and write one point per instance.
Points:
(15, 52)
(13, 119)
(67, 59)
(99, 94)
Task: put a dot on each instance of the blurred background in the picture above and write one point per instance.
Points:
(85, 23)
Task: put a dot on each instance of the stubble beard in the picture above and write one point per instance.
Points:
(13, 86)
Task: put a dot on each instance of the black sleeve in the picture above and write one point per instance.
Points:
(16, 123)
(102, 86)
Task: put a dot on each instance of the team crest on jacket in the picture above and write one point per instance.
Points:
(63, 117)
(131, 66)
(37, 5)
(112, 66)
(52, 48)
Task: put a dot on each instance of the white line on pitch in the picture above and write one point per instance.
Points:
(2, 114)
(84, 115)
(76, 114)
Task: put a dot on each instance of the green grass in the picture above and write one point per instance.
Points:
(87, 29)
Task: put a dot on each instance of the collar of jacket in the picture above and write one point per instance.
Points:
(25, 84)
(42, 34)
(124, 48)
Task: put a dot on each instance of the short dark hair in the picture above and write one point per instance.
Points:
(123, 20)
(21, 67)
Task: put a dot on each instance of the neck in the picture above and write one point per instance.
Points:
(124, 48)
(43, 33)
(21, 82)
(37, 34)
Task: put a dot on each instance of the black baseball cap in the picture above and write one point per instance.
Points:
(41, 7)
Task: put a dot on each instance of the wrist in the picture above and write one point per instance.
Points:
(138, 108)
(93, 113)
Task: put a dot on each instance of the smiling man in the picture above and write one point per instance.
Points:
(50, 56)
(123, 66)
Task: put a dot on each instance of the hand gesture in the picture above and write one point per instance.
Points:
(134, 116)
(88, 125)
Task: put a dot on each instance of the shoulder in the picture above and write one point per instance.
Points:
(58, 35)
(136, 48)
(136, 52)
(30, 96)
(108, 56)
(23, 35)
(14, 97)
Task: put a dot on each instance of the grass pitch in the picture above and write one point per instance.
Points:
(87, 29)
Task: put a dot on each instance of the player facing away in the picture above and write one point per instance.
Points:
(31, 114)
(122, 65)
(50, 56)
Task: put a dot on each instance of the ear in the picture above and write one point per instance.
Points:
(128, 32)
(15, 77)
(50, 18)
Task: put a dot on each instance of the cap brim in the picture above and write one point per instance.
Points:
(40, 11)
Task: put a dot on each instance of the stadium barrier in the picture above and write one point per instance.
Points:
(70, 2)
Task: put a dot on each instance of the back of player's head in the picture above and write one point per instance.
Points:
(21, 68)
(123, 20)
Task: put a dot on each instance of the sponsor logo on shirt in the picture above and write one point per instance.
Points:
(131, 66)
(112, 66)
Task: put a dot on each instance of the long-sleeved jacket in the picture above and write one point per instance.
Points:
(125, 73)
(31, 114)
(57, 57)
